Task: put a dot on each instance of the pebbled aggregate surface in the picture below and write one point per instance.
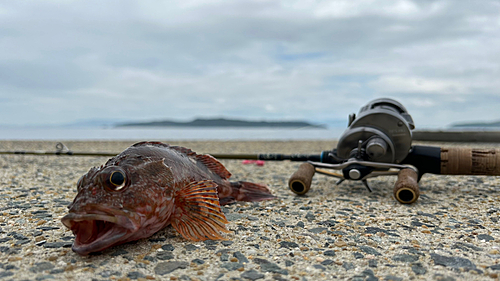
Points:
(333, 232)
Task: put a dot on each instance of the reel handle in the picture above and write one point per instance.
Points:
(300, 181)
(406, 188)
(470, 161)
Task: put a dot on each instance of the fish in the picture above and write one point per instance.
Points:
(149, 186)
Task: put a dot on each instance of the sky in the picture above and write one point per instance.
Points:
(67, 61)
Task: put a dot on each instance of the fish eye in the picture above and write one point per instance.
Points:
(117, 179)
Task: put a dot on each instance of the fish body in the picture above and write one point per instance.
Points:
(149, 186)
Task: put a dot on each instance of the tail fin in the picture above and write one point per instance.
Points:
(248, 191)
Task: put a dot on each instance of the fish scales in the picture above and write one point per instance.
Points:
(151, 185)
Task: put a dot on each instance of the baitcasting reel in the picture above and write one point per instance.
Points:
(377, 142)
(381, 133)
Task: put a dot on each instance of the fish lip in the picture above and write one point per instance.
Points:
(98, 212)
(70, 219)
(103, 227)
(116, 237)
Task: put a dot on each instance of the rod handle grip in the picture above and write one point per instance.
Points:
(470, 161)
(300, 181)
(406, 188)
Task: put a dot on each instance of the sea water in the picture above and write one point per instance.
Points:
(167, 133)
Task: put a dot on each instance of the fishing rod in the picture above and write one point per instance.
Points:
(377, 142)
(61, 149)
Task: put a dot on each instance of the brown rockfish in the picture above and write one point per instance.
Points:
(149, 186)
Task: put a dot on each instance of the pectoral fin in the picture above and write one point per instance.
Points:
(197, 215)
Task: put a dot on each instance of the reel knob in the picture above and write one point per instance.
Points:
(300, 181)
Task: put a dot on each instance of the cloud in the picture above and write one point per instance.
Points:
(259, 59)
(349, 9)
(397, 84)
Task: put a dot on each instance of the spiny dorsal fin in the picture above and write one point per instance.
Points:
(208, 160)
(197, 215)
(214, 165)
(183, 150)
(150, 143)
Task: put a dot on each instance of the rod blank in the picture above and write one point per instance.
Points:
(68, 153)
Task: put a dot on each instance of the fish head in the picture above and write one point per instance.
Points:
(127, 199)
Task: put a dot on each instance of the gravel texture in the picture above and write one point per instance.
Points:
(345, 232)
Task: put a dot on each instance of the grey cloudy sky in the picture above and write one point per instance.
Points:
(64, 61)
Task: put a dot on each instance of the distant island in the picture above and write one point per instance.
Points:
(223, 122)
(477, 125)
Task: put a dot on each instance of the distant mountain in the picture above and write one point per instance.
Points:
(222, 122)
(476, 124)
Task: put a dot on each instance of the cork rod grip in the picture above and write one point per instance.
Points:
(406, 188)
(300, 181)
(470, 161)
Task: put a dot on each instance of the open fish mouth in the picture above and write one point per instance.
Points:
(97, 231)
